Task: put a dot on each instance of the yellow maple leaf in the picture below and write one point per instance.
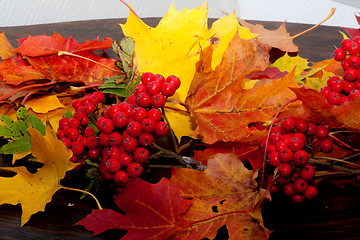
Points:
(34, 191)
(44, 104)
(173, 48)
(288, 63)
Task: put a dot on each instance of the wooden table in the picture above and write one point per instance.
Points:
(335, 214)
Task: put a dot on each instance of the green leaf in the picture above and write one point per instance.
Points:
(12, 126)
(68, 114)
(17, 146)
(23, 125)
(127, 44)
(117, 91)
(34, 121)
(6, 132)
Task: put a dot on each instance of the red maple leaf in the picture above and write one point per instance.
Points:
(152, 211)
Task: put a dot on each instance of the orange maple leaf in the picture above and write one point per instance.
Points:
(226, 193)
(222, 108)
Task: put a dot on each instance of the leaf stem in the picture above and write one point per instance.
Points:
(334, 166)
(268, 135)
(83, 191)
(130, 8)
(60, 53)
(332, 11)
(172, 134)
(343, 143)
(337, 160)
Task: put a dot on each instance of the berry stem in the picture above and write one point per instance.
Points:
(334, 166)
(338, 160)
(268, 135)
(83, 191)
(172, 134)
(167, 153)
(60, 53)
(332, 11)
(343, 143)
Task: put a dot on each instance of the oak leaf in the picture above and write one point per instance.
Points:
(152, 211)
(226, 193)
(34, 190)
(224, 110)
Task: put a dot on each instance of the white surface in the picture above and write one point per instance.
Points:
(28, 12)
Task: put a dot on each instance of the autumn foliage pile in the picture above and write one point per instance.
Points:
(120, 119)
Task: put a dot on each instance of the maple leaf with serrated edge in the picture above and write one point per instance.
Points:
(34, 190)
(222, 109)
(226, 193)
(152, 211)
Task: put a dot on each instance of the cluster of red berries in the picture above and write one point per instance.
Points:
(76, 132)
(343, 89)
(121, 135)
(289, 149)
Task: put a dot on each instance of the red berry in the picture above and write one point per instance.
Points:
(153, 87)
(297, 142)
(354, 61)
(113, 109)
(311, 192)
(300, 158)
(274, 159)
(114, 139)
(344, 100)
(354, 94)
(139, 89)
(274, 138)
(125, 159)
(93, 153)
(85, 121)
(158, 78)
(134, 129)
(121, 178)
(154, 114)
(350, 74)
(90, 108)
(158, 100)
(148, 125)
(76, 104)
(287, 137)
(332, 79)
(97, 97)
(139, 114)
(300, 185)
(312, 129)
(67, 142)
(74, 123)
(345, 44)
(322, 132)
(302, 126)
(285, 154)
(105, 174)
(89, 132)
(120, 119)
(146, 77)
(337, 85)
(298, 198)
(63, 122)
(168, 89)
(161, 128)
(114, 152)
(129, 144)
(345, 64)
(307, 173)
(282, 180)
(141, 154)
(134, 169)
(288, 123)
(106, 125)
(132, 99)
(348, 86)
(339, 54)
(325, 91)
(146, 139)
(112, 165)
(285, 170)
(144, 99)
(175, 80)
(334, 98)
(289, 190)
(103, 139)
(92, 142)
(279, 146)
(353, 48)
(326, 145)
(77, 147)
